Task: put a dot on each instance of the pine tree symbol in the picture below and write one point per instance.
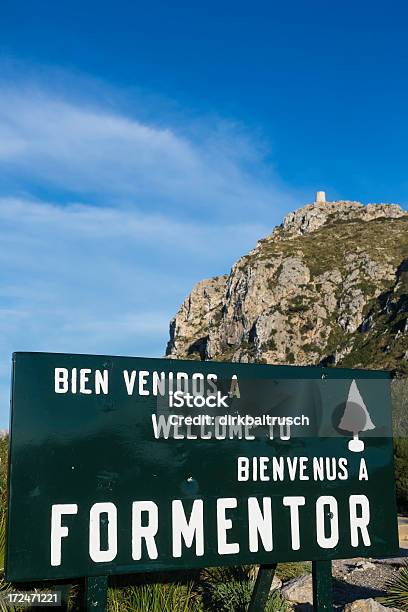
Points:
(355, 418)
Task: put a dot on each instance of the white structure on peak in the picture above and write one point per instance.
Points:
(320, 197)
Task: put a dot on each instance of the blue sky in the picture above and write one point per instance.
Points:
(145, 146)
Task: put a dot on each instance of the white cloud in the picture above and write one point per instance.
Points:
(86, 150)
(164, 208)
(78, 278)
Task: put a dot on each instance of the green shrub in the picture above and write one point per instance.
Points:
(229, 589)
(399, 394)
(397, 590)
(401, 472)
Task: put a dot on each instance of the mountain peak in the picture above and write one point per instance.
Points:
(324, 287)
(312, 216)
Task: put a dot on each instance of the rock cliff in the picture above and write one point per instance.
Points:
(329, 285)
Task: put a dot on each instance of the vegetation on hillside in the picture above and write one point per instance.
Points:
(381, 341)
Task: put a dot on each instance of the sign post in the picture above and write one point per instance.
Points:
(121, 465)
(96, 593)
(262, 588)
(322, 586)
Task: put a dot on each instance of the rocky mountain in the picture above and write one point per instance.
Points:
(328, 286)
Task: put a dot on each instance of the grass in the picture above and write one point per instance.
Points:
(4, 444)
(155, 597)
(287, 571)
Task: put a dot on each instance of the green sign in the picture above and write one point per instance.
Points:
(121, 465)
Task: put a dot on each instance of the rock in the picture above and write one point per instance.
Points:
(366, 605)
(322, 288)
(299, 590)
(313, 216)
(403, 530)
(197, 314)
(362, 566)
(276, 583)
